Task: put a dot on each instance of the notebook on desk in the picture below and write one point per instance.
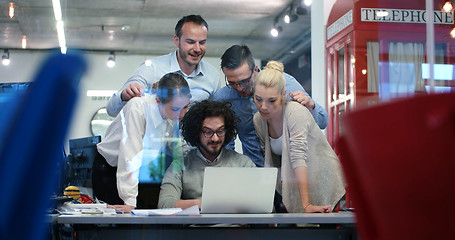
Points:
(238, 190)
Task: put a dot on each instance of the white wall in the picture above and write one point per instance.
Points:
(98, 77)
(22, 67)
(320, 11)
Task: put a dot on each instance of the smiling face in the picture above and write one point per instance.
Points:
(191, 46)
(241, 79)
(269, 101)
(210, 147)
(175, 109)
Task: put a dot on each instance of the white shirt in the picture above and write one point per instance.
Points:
(204, 81)
(276, 145)
(138, 131)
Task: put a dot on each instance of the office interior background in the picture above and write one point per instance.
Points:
(148, 28)
(345, 53)
(320, 43)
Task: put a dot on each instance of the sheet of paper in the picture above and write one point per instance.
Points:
(156, 212)
(194, 210)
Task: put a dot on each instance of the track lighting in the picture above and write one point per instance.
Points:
(111, 60)
(24, 42)
(11, 10)
(276, 30)
(290, 15)
(5, 58)
(287, 18)
(307, 2)
(299, 10)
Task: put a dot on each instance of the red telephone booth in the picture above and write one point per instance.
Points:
(376, 50)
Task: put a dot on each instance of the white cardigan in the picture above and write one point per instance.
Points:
(303, 145)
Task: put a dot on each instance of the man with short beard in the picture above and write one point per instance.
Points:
(190, 39)
(209, 126)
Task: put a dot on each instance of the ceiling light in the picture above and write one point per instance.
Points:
(452, 33)
(126, 27)
(307, 2)
(61, 36)
(59, 25)
(111, 60)
(286, 18)
(24, 42)
(290, 15)
(11, 10)
(448, 7)
(5, 58)
(57, 10)
(276, 31)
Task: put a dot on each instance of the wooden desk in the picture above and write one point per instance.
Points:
(227, 226)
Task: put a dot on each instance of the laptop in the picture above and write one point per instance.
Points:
(238, 190)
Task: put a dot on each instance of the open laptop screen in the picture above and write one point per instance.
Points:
(238, 190)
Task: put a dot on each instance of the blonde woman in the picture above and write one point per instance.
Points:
(310, 177)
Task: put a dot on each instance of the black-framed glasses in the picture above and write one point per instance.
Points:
(242, 83)
(209, 133)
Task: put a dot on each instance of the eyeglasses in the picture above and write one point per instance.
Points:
(209, 133)
(242, 83)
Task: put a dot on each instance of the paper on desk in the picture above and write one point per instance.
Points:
(76, 209)
(194, 210)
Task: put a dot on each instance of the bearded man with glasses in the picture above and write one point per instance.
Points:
(209, 126)
(240, 70)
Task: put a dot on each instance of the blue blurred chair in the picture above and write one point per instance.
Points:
(32, 132)
(399, 162)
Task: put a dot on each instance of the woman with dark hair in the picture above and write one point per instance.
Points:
(136, 137)
(209, 126)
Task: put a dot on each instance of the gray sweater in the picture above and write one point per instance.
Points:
(184, 181)
(304, 145)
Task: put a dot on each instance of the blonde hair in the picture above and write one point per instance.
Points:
(272, 76)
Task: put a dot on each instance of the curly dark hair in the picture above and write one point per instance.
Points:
(191, 123)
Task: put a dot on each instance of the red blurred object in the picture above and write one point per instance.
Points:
(85, 199)
(399, 162)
